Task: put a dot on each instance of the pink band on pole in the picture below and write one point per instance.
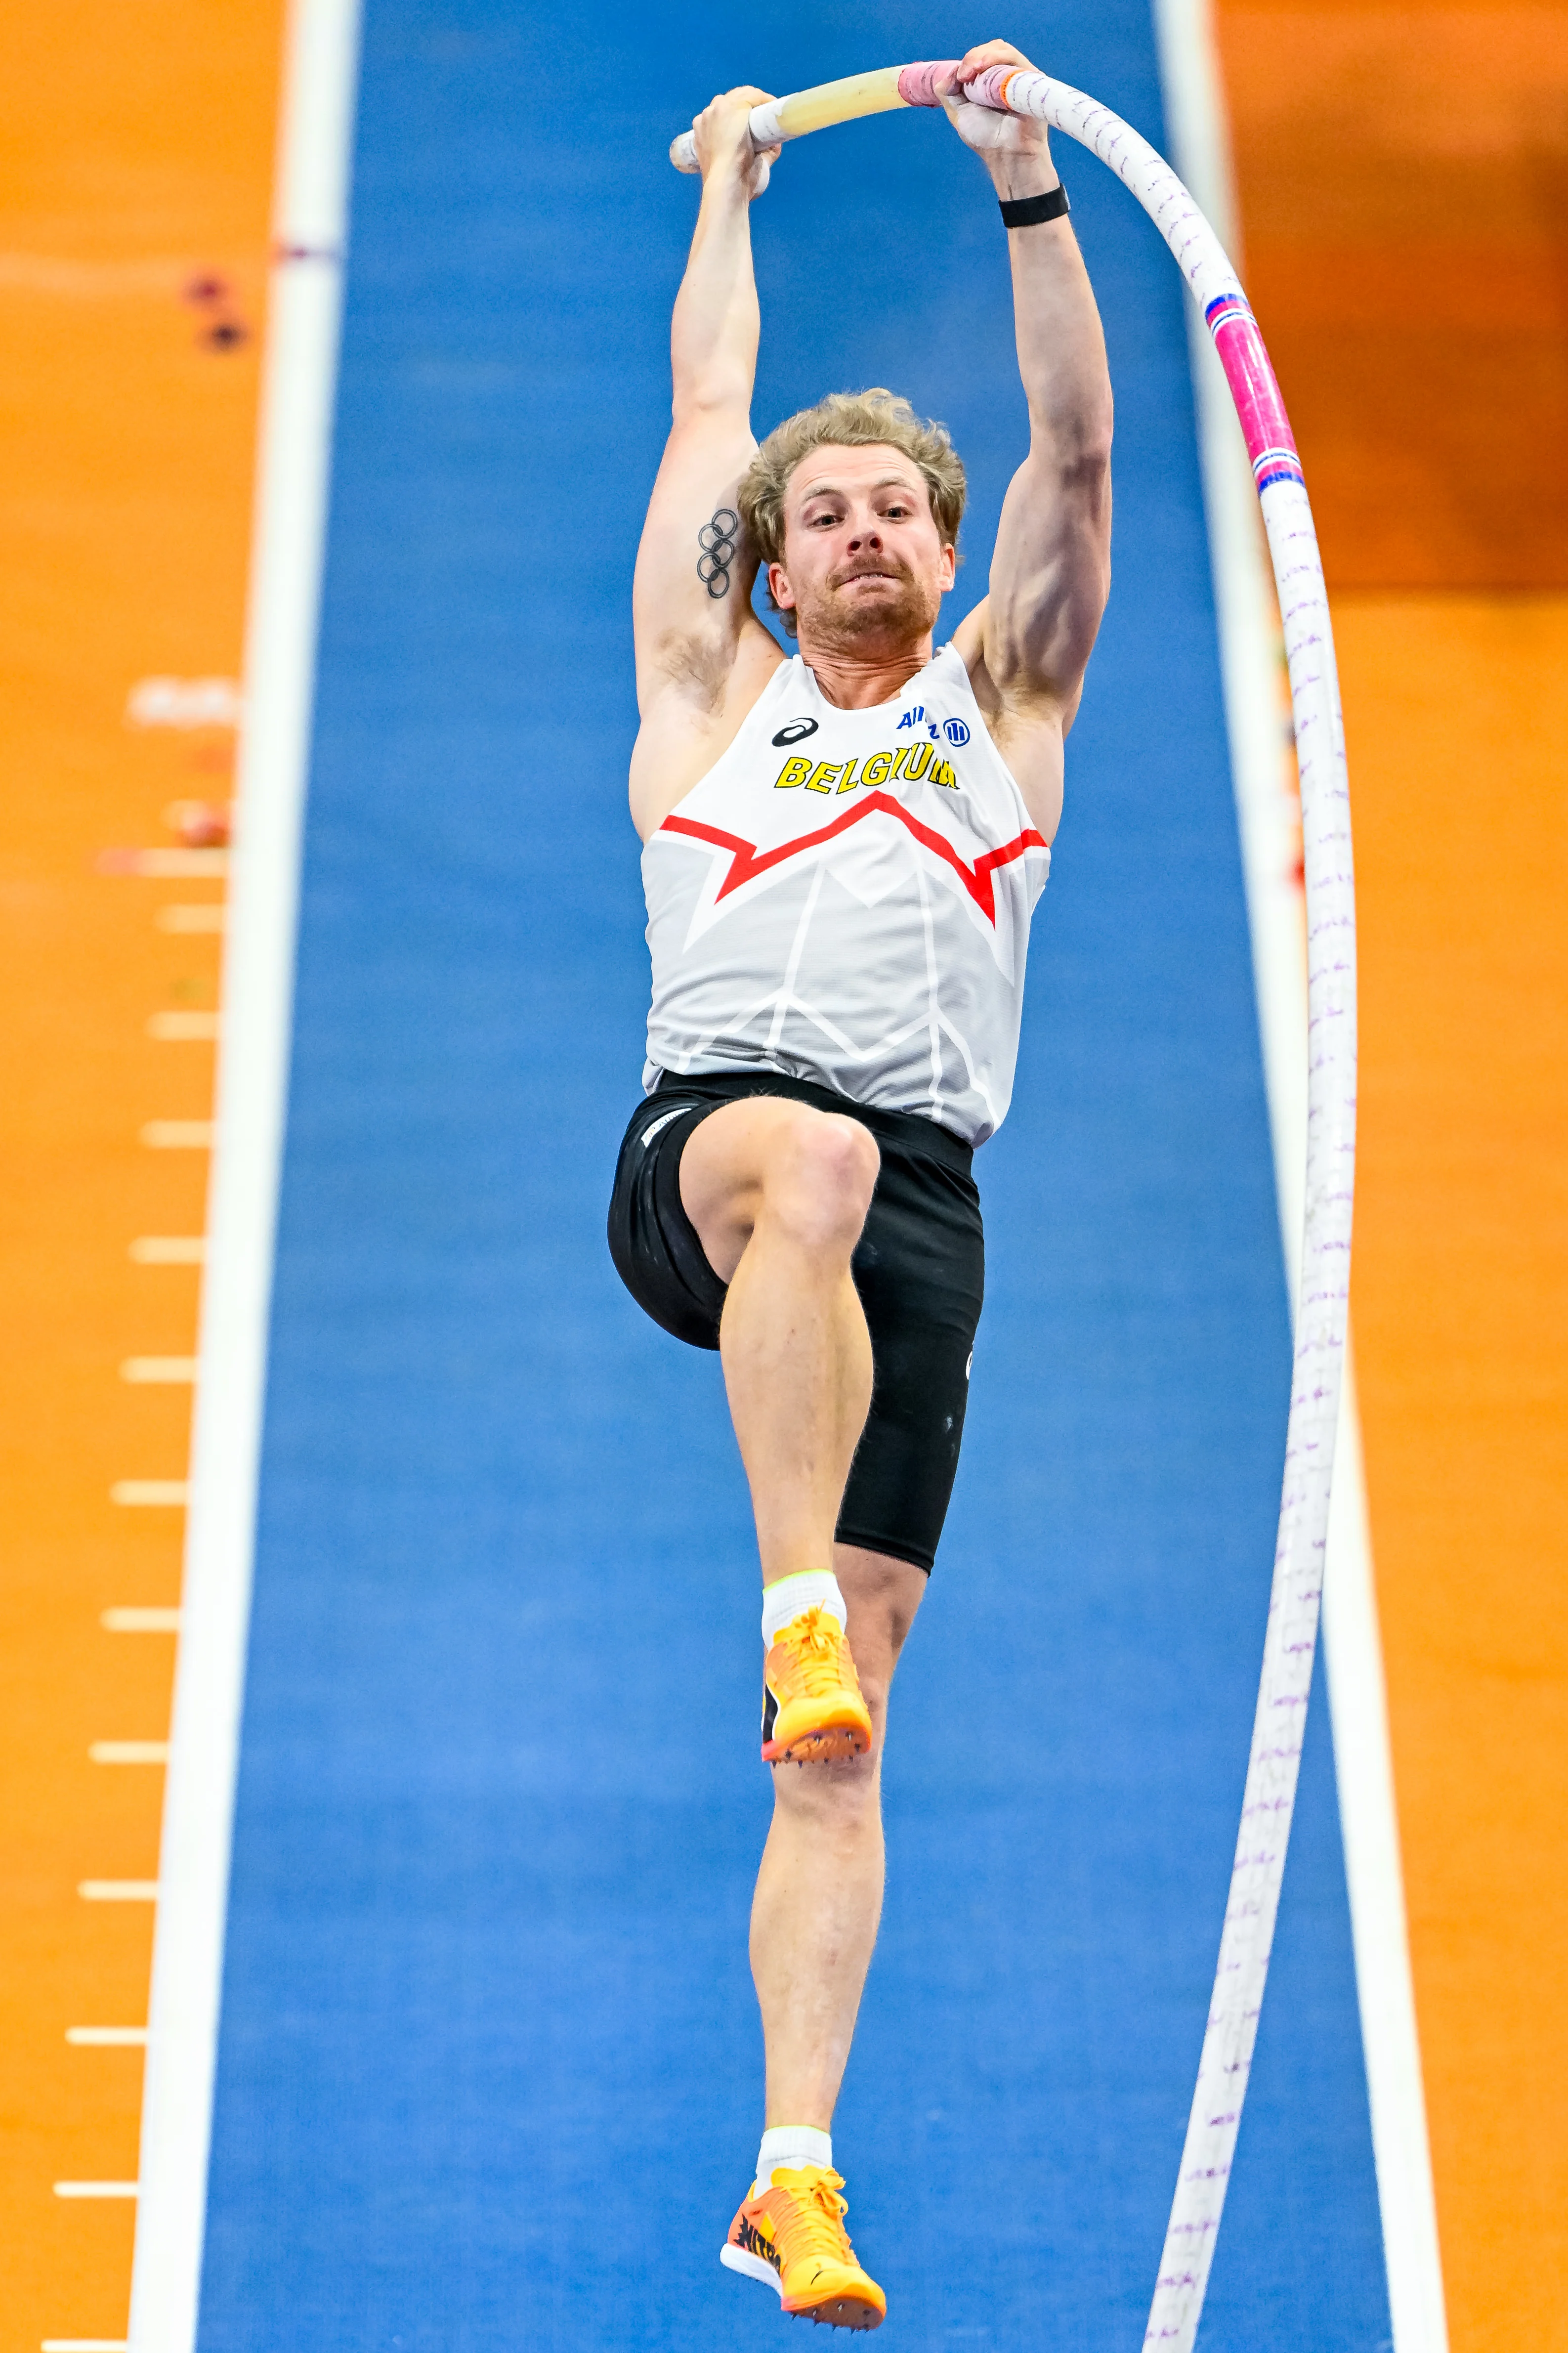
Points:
(1271, 444)
(915, 82)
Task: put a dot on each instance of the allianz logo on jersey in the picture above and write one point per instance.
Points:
(956, 730)
(910, 763)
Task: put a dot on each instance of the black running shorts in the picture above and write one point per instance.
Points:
(920, 1269)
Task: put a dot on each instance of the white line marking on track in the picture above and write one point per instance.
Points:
(132, 1620)
(95, 2189)
(184, 1022)
(129, 1751)
(170, 1369)
(1352, 1648)
(304, 308)
(107, 2038)
(208, 916)
(168, 1249)
(138, 1491)
(178, 1134)
(119, 1890)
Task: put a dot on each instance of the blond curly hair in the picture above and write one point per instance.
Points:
(851, 420)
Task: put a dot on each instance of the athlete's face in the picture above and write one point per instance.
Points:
(864, 568)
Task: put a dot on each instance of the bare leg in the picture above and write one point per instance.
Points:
(819, 1892)
(778, 1194)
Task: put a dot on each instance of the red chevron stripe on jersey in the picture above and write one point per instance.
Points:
(747, 861)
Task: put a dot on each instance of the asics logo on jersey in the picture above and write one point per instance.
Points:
(795, 730)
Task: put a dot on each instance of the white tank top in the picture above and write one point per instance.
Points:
(846, 897)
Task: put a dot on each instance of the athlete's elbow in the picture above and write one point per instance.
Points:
(1087, 465)
(703, 399)
(1079, 464)
(1073, 446)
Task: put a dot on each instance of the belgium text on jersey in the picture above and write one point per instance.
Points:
(911, 764)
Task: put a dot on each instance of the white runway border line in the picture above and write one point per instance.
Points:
(1200, 146)
(320, 69)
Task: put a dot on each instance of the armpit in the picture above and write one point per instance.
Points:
(697, 665)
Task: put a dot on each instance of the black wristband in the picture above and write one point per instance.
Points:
(1027, 212)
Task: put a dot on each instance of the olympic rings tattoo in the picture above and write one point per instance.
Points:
(718, 541)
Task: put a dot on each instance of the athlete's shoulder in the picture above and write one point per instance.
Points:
(951, 665)
(1026, 746)
(791, 688)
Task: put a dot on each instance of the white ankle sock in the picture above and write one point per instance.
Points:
(790, 2146)
(808, 1588)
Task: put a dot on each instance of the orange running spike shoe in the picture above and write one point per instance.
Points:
(793, 2236)
(813, 1713)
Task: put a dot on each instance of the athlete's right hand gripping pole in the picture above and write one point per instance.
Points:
(1275, 1761)
(1321, 1307)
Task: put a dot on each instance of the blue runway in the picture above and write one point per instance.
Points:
(490, 2076)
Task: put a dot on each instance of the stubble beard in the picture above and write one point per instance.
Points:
(835, 623)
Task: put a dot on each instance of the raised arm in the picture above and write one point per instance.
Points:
(1029, 644)
(702, 657)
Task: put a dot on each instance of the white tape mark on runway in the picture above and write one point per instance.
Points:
(107, 2038)
(1200, 142)
(95, 2189)
(132, 1620)
(184, 1024)
(177, 1135)
(288, 530)
(129, 1751)
(119, 1890)
(210, 917)
(185, 703)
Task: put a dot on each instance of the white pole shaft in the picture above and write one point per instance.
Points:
(1274, 1763)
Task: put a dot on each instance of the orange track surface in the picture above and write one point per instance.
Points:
(140, 159)
(1403, 175)
(1404, 184)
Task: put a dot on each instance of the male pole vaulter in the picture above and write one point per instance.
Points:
(843, 851)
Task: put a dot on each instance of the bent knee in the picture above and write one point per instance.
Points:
(821, 1177)
(830, 1795)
